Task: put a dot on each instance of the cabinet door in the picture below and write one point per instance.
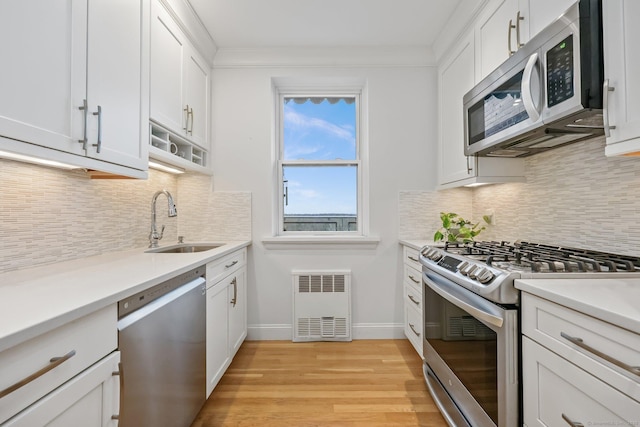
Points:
(622, 67)
(557, 393)
(90, 400)
(43, 72)
(456, 79)
(196, 86)
(544, 12)
(217, 334)
(493, 34)
(116, 60)
(237, 310)
(167, 53)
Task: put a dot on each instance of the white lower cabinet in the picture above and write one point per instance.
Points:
(412, 288)
(66, 377)
(226, 313)
(573, 372)
(558, 393)
(91, 399)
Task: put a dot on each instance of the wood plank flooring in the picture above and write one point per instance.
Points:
(371, 383)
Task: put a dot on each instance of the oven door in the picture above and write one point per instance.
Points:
(471, 352)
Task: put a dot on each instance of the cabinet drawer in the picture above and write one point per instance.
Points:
(411, 257)
(413, 276)
(79, 344)
(220, 268)
(553, 387)
(412, 297)
(591, 344)
(413, 327)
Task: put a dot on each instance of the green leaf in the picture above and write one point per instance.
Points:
(438, 236)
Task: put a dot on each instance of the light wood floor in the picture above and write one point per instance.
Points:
(362, 383)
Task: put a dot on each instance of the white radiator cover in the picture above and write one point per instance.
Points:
(321, 305)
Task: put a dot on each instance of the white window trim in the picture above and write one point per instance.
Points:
(294, 87)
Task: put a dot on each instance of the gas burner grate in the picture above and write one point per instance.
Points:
(542, 258)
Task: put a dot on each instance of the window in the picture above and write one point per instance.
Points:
(319, 164)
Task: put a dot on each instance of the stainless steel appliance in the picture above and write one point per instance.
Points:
(471, 320)
(161, 337)
(551, 92)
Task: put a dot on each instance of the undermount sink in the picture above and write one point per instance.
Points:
(184, 248)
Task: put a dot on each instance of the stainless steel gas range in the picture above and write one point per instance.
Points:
(471, 339)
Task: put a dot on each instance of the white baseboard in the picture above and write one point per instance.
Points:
(360, 331)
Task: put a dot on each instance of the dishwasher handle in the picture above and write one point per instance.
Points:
(160, 302)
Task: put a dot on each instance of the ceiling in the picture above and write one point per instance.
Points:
(324, 23)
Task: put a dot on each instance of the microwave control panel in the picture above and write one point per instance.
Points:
(560, 72)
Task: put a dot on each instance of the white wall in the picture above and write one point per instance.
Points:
(402, 142)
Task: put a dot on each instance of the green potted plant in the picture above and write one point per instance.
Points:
(456, 229)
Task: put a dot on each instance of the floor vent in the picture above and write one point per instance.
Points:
(322, 305)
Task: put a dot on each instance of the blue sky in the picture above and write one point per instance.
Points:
(321, 131)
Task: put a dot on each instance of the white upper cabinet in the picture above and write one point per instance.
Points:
(621, 69)
(501, 29)
(116, 94)
(63, 62)
(180, 85)
(43, 76)
(544, 12)
(456, 77)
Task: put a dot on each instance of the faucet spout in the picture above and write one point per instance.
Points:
(154, 236)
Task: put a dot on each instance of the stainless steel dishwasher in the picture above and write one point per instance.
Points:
(161, 337)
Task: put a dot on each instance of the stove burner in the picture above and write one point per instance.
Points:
(539, 258)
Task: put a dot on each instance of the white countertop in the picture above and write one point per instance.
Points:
(616, 301)
(416, 244)
(37, 300)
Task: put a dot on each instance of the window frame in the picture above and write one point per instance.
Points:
(280, 93)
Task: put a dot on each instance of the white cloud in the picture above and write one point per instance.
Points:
(295, 119)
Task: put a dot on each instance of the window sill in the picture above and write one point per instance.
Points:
(320, 242)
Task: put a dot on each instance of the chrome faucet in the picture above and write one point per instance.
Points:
(154, 236)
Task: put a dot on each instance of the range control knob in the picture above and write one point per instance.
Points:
(485, 277)
(468, 270)
(462, 265)
(436, 255)
(473, 274)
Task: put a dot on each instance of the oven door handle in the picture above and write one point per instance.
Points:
(472, 303)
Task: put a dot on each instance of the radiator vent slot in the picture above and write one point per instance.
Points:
(321, 305)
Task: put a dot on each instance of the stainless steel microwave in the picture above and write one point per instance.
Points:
(548, 94)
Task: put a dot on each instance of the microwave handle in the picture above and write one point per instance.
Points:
(527, 99)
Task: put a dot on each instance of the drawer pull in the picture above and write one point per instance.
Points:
(232, 264)
(413, 299)
(635, 370)
(572, 423)
(54, 361)
(413, 279)
(414, 330)
(413, 259)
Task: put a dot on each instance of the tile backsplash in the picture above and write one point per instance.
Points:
(574, 196)
(49, 215)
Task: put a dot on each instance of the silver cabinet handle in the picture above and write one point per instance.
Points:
(413, 259)
(413, 279)
(605, 107)
(509, 30)
(469, 168)
(572, 423)
(83, 141)
(414, 330)
(99, 114)
(231, 265)
(518, 19)
(190, 114)
(53, 363)
(186, 118)
(413, 300)
(115, 417)
(234, 282)
(635, 370)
